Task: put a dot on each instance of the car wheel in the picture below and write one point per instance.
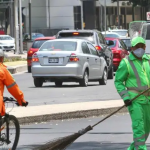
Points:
(29, 69)
(103, 81)
(38, 82)
(111, 73)
(85, 80)
(58, 83)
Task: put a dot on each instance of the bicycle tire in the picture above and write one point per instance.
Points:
(17, 129)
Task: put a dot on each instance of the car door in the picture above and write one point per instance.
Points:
(87, 57)
(96, 61)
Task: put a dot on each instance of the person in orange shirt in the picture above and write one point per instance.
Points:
(7, 80)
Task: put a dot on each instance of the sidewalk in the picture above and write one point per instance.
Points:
(45, 113)
(14, 67)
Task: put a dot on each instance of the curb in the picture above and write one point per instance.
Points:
(69, 115)
(16, 69)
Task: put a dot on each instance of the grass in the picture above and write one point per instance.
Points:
(14, 59)
(15, 63)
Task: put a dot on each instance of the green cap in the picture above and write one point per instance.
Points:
(137, 40)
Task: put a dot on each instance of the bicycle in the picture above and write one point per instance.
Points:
(8, 123)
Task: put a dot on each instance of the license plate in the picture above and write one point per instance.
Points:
(53, 60)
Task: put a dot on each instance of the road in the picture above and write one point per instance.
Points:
(69, 93)
(113, 134)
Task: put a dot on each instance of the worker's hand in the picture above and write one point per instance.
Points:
(25, 104)
(127, 102)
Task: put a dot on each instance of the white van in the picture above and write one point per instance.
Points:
(145, 33)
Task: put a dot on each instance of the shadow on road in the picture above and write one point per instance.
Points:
(65, 86)
(89, 146)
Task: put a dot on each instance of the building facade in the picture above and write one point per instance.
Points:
(71, 14)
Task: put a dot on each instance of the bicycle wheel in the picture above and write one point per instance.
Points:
(14, 133)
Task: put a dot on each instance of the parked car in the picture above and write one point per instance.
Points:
(26, 39)
(34, 48)
(97, 39)
(121, 32)
(127, 42)
(119, 50)
(111, 34)
(7, 43)
(68, 60)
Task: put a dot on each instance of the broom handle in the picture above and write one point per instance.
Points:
(120, 108)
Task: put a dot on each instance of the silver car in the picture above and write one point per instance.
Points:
(68, 60)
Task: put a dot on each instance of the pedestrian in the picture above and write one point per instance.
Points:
(133, 77)
(7, 80)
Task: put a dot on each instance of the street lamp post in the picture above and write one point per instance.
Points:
(30, 32)
(118, 14)
(16, 26)
(20, 22)
(105, 16)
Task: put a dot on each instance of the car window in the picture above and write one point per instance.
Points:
(85, 48)
(127, 42)
(123, 45)
(5, 38)
(59, 46)
(37, 44)
(112, 35)
(92, 49)
(77, 35)
(100, 38)
(121, 33)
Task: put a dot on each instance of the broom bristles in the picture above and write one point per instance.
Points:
(64, 142)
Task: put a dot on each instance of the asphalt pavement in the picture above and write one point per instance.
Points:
(113, 134)
(68, 93)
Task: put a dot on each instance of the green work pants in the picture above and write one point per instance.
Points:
(140, 116)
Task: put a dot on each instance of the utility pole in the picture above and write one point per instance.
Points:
(118, 14)
(16, 28)
(105, 17)
(20, 22)
(30, 32)
(81, 14)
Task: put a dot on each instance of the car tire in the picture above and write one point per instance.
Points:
(38, 82)
(58, 83)
(84, 81)
(29, 69)
(111, 73)
(103, 81)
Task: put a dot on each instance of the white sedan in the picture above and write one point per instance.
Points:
(7, 43)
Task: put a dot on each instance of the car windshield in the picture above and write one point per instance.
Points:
(35, 36)
(5, 38)
(127, 42)
(113, 44)
(112, 35)
(37, 44)
(78, 35)
(59, 46)
(121, 33)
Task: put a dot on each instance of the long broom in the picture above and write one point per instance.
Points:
(63, 142)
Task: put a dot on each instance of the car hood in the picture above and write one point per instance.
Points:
(7, 41)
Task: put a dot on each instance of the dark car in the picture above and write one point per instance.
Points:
(97, 39)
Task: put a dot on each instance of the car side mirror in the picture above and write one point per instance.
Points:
(109, 43)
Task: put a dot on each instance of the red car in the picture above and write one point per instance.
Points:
(119, 50)
(34, 48)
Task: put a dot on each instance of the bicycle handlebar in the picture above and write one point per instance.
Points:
(10, 99)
